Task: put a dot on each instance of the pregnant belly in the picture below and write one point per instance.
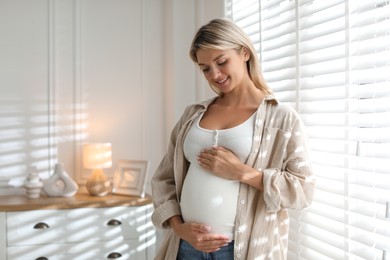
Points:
(210, 200)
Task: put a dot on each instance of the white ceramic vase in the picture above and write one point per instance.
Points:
(60, 184)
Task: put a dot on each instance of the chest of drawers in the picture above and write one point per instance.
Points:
(83, 227)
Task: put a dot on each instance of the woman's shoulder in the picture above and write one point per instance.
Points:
(195, 108)
(205, 103)
(200, 105)
(278, 106)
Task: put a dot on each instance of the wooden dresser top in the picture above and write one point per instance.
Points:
(80, 200)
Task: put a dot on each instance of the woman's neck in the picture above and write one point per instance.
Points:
(242, 98)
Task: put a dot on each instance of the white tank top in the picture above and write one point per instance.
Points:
(206, 198)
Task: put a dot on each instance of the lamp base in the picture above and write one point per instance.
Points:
(98, 183)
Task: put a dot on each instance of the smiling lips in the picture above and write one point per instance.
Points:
(220, 82)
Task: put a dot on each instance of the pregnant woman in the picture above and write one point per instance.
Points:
(235, 163)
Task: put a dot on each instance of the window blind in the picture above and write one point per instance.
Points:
(331, 61)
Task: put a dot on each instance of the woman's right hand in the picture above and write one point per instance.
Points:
(198, 235)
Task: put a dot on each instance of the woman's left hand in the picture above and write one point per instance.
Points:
(221, 161)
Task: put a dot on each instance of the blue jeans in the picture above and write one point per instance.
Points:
(187, 252)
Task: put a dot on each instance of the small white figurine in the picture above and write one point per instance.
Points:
(33, 184)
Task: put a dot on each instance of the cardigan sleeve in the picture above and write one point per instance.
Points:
(164, 196)
(289, 180)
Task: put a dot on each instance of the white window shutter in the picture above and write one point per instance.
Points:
(369, 109)
(331, 61)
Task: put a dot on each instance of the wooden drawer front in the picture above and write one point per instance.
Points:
(76, 225)
(130, 249)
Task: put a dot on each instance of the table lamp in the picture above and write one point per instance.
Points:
(97, 156)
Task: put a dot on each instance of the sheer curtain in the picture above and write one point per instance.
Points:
(331, 61)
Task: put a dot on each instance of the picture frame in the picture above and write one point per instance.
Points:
(130, 177)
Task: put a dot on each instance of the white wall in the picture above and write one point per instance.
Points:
(93, 71)
(183, 80)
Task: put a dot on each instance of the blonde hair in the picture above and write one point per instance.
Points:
(223, 34)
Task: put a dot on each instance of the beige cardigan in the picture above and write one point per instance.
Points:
(278, 150)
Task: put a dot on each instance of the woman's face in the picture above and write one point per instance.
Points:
(224, 69)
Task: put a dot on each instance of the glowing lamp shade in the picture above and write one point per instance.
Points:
(97, 156)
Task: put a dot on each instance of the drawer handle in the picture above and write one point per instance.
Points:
(114, 222)
(114, 255)
(42, 258)
(41, 225)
